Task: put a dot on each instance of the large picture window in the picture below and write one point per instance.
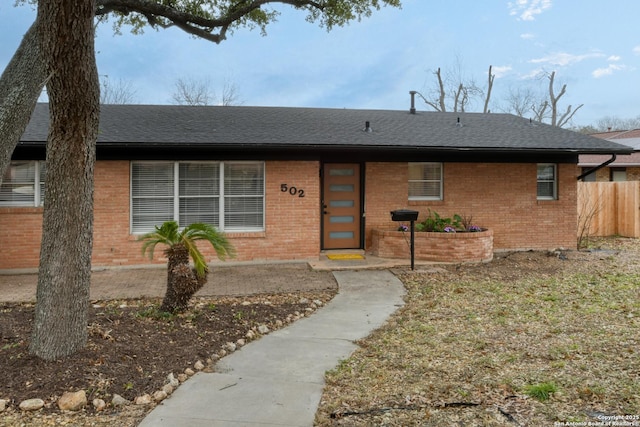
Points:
(227, 195)
(425, 181)
(547, 181)
(23, 184)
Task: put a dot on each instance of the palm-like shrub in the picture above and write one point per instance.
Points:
(182, 280)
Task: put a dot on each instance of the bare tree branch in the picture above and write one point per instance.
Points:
(193, 92)
(120, 92)
(491, 78)
(230, 94)
(568, 115)
(442, 94)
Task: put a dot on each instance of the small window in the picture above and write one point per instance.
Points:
(23, 184)
(618, 174)
(425, 181)
(588, 178)
(547, 181)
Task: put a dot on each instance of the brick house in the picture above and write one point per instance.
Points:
(289, 183)
(625, 167)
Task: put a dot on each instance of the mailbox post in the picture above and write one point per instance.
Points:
(411, 216)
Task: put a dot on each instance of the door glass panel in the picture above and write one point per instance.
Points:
(341, 235)
(341, 172)
(341, 219)
(341, 203)
(341, 187)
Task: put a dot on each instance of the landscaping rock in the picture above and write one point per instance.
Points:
(31, 404)
(99, 404)
(199, 366)
(3, 404)
(118, 400)
(72, 401)
(263, 329)
(145, 399)
(168, 389)
(159, 395)
(173, 381)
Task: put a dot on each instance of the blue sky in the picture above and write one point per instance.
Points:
(593, 46)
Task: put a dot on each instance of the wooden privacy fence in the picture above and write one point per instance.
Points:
(609, 208)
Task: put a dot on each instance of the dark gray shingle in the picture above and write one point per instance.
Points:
(153, 125)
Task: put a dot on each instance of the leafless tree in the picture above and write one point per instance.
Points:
(119, 92)
(519, 101)
(491, 78)
(565, 117)
(192, 91)
(456, 93)
(610, 123)
(230, 94)
(589, 206)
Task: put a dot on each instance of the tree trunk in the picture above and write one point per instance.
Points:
(182, 280)
(67, 40)
(20, 86)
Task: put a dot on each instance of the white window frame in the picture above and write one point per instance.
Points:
(554, 181)
(440, 181)
(38, 185)
(220, 195)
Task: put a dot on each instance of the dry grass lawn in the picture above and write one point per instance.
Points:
(530, 339)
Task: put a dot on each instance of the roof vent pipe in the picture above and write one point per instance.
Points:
(367, 127)
(412, 110)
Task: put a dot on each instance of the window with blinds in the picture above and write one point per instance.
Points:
(23, 184)
(425, 181)
(547, 181)
(227, 195)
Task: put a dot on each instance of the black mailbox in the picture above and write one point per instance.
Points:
(411, 216)
(404, 215)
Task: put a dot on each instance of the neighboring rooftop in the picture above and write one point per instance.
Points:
(618, 134)
(630, 138)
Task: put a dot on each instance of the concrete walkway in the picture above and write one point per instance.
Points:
(278, 379)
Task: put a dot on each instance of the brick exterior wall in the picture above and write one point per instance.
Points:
(20, 233)
(604, 174)
(292, 223)
(633, 174)
(498, 196)
(434, 247)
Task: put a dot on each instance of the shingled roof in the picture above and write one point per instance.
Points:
(166, 127)
(630, 138)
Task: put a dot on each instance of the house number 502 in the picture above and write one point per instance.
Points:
(292, 190)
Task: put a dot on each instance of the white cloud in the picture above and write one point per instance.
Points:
(532, 75)
(563, 59)
(526, 10)
(636, 50)
(601, 72)
(501, 71)
(527, 36)
(614, 58)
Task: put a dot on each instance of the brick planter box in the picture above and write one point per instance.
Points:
(435, 247)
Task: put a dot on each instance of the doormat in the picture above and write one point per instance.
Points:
(338, 257)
